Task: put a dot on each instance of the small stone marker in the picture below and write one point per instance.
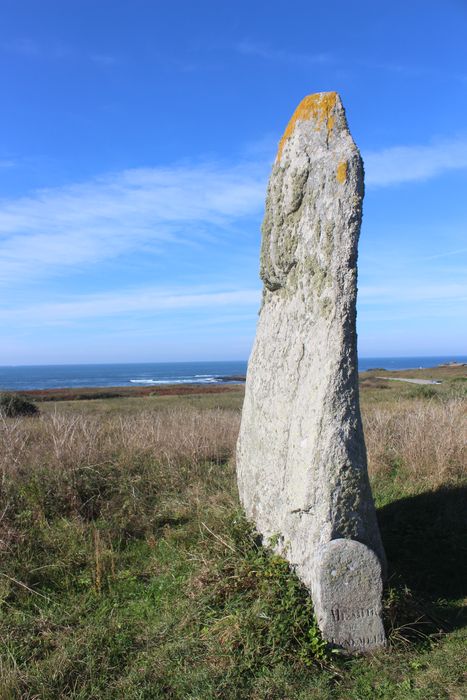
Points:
(347, 595)
(301, 459)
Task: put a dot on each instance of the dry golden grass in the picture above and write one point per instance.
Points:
(70, 441)
(426, 440)
(135, 470)
(127, 569)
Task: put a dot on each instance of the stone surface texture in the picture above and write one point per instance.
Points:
(301, 458)
(347, 595)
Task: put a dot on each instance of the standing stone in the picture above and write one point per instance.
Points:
(301, 457)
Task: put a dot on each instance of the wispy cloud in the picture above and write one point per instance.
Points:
(102, 59)
(135, 210)
(54, 51)
(251, 48)
(408, 292)
(399, 164)
(30, 48)
(136, 300)
(21, 46)
(447, 254)
(123, 212)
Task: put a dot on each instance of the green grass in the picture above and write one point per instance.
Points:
(128, 571)
(375, 388)
(231, 399)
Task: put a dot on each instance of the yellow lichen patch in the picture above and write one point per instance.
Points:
(317, 107)
(341, 174)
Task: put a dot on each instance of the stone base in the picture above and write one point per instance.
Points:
(347, 589)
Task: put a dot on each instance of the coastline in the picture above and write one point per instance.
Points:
(368, 378)
(119, 392)
(156, 375)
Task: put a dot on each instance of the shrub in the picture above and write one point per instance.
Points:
(13, 405)
(423, 392)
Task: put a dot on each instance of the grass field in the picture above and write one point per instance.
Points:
(128, 571)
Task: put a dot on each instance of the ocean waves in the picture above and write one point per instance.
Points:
(196, 379)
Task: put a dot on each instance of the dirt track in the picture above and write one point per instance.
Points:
(411, 381)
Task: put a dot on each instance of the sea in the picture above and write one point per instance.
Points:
(22, 377)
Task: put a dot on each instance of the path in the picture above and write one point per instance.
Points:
(411, 381)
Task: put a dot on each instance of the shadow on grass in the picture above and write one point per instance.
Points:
(425, 538)
(169, 521)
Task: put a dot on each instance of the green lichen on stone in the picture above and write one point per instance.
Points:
(298, 190)
(328, 239)
(279, 237)
(292, 280)
(319, 276)
(325, 307)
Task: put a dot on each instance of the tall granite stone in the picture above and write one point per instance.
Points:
(301, 457)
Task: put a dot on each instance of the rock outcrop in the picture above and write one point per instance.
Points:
(301, 457)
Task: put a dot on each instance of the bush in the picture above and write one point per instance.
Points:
(13, 405)
(423, 392)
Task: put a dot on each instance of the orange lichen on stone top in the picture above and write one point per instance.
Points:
(341, 173)
(317, 107)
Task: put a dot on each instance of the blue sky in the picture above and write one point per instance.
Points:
(136, 139)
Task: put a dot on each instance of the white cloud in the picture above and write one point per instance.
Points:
(55, 229)
(140, 300)
(103, 59)
(447, 254)
(407, 291)
(29, 48)
(251, 48)
(54, 51)
(22, 46)
(399, 164)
